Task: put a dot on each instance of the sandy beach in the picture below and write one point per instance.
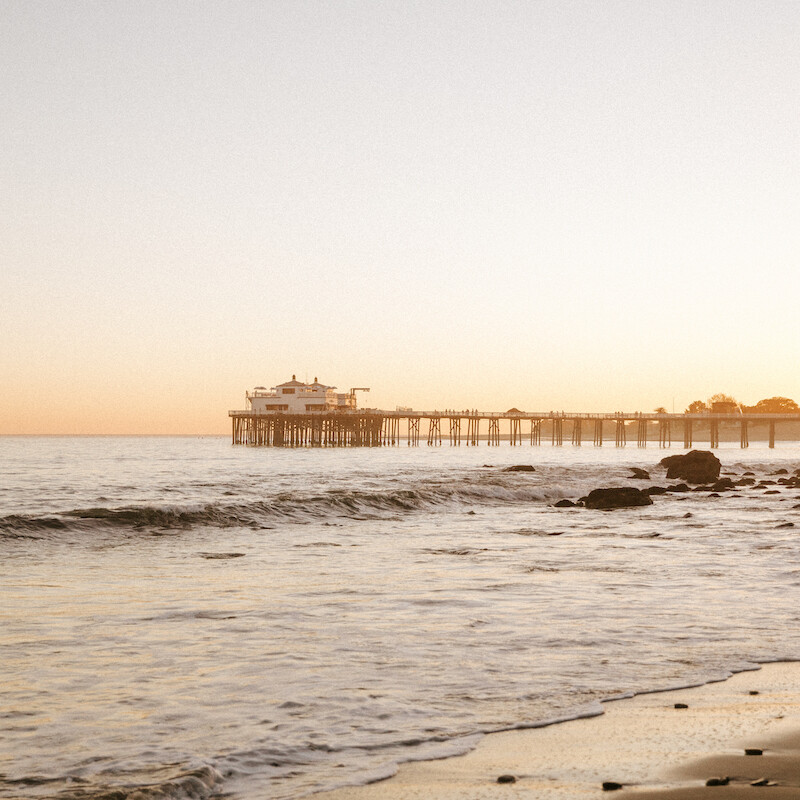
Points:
(645, 743)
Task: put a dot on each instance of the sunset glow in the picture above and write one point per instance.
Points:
(571, 206)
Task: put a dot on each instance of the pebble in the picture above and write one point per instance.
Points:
(681, 705)
(753, 751)
(718, 781)
(506, 779)
(754, 691)
(611, 786)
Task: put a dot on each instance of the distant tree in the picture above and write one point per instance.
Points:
(721, 398)
(660, 410)
(696, 407)
(775, 405)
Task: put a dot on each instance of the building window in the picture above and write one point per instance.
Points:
(287, 391)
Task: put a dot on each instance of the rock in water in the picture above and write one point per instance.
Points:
(678, 487)
(519, 468)
(697, 466)
(564, 504)
(639, 474)
(620, 497)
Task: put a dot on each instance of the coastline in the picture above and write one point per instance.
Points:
(645, 743)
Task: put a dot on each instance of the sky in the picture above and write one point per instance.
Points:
(562, 205)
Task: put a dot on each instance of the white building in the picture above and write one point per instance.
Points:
(295, 397)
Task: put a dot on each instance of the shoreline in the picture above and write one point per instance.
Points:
(655, 750)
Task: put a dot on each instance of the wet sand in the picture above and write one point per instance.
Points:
(644, 743)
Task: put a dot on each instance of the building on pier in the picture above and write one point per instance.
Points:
(296, 397)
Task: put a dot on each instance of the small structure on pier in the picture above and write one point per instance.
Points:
(296, 397)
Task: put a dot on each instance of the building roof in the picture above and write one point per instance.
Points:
(292, 382)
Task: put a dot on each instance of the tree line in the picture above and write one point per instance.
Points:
(725, 403)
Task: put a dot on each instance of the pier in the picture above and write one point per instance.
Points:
(375, 428)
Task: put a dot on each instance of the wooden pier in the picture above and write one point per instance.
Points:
(374, 428)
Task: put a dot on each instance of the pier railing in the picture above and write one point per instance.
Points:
(375, 427)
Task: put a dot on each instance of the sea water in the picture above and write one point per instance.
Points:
(184, 618)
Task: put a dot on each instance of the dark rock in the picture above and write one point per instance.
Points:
(753, 751)
(681, 705)
(506, 779)
(656, 490)
(763, 782)
(723, 485)
(688, 515)
(754, 691)
(701, 489)
(618, 497)
(611, 786)
(767, 483)
(786, 525)
(639, 474)
(519, 468)
(714, 494)
(772, 491)
(718, 781)
(696, 466)
(748, 473)
(564, 504)
(678, 487)
(780, 471)
(746, 482)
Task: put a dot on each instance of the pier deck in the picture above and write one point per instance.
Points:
(376, 428)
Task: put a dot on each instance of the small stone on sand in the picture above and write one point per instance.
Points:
(506, 779)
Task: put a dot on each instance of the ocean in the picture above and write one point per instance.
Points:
(181, 618)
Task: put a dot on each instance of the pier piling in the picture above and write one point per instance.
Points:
(373, 428)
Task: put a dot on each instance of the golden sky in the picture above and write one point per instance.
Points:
(554, 205)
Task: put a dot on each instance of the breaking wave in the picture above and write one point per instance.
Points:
(289, 507)
(197, 784)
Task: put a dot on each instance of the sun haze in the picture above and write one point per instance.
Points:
(555, 205)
